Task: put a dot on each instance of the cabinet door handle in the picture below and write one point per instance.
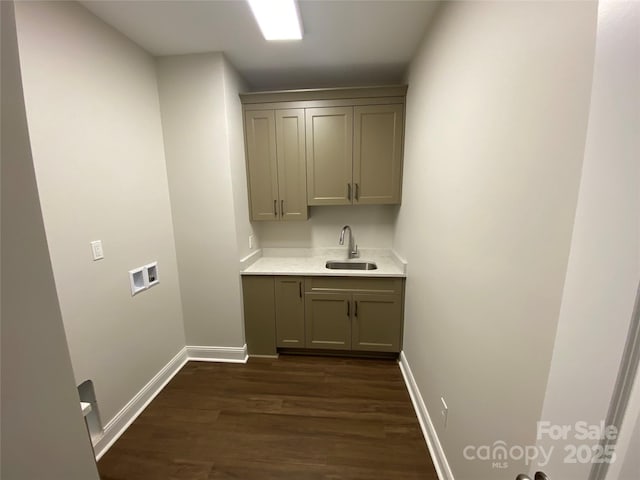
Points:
(357, 191)
(349, 191)
(300, 289)
(348, 309)
(275, 208)
(282, 207)
(356, 309)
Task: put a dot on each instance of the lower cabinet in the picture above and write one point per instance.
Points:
(327, 321)
(363, 322)
(289, 305)
(259, 314)
(377, 323)
(323, 313)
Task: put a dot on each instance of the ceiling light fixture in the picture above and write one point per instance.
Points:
(277, 19)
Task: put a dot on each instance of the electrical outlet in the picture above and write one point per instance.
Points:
(251, 241)
(444, 412)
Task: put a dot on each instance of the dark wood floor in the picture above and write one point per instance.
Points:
(298, 418)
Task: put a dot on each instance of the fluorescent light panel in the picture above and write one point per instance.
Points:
(278, 19)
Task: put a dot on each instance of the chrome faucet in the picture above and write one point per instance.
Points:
(353, 248)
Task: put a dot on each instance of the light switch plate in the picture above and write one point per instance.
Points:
(96, 250)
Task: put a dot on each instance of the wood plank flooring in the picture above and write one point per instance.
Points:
(294, 418)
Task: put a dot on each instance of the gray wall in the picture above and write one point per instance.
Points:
(94, 120)
(43, 433)
(630, 462)
(497, 113)
(201, 142)
(627, 462)
(233, 84)
(604, 264)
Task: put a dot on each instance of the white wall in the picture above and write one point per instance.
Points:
(233, 85)
(627, 463)
(604, 263)
(92, 106)
(630, 463)
(43, 433)
(200, 140)
(372, 226)
(495, 128)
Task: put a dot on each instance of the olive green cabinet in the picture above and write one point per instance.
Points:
(354, 154)
(362, 314)
(259, 314)
(289, 312)
(329, 155)
(327, 321)
(377, 154)
(358, 314)
(376, 323)
(362, 322)
(340, 146)
(276, 167)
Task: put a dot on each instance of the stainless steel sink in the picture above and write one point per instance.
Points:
(340, 265)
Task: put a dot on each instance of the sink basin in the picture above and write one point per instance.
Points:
(341, 265)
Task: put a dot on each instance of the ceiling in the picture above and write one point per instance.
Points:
(346, 42)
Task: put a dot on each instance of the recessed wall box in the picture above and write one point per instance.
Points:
(151, 271)
(137, 280)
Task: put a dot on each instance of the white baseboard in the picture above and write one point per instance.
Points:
(125, 417)
(433, 442)
(218, 354)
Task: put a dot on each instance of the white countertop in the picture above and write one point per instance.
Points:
(309, 261)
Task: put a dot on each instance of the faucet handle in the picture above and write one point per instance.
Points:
(355, 252)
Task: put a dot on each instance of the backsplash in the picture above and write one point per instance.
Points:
(372, 226)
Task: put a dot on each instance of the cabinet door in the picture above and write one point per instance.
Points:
(262, 170)
(329, 155)
(377, 156)
(377, 322)
(289, 312)
(292, 168)
(259, 314)
(327, 321)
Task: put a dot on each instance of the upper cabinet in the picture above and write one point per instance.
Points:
(276, 164)
(329, 154)
(377, 154)
(323, 147)
(354, 154)
(292, 190)
(262, 166)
